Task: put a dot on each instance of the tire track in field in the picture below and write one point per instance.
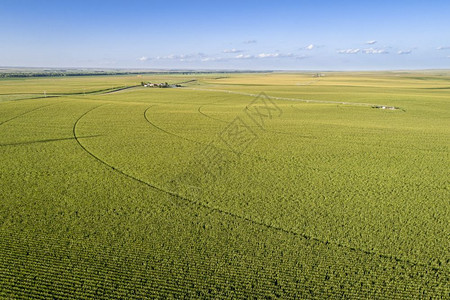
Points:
(223, 121)
(27, 112)
(46, 141)
(266, 130)
(239, 217)
(165, 131)
(240, 153)
(31, 98)
(209, 117)
(194, 141)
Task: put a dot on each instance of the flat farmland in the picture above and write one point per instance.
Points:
(260, 185)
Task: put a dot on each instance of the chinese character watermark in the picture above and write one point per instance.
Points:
(211, 163)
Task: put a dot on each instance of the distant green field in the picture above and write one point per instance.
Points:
(214, 190)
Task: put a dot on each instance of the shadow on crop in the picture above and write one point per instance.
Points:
(47, 141)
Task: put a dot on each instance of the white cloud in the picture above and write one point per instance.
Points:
(200, 57)
(443, 48)
(375, 51)
(403, 52)
(196, 57)
(268, 55)
(182, 57)
(274, 55)
(372, 42)
(366, 51)
(312, 47)
(143, 58)
(171, 56)
(349, 51)
(232, 51)
(244, 56)
(250, 42)
(213, 59)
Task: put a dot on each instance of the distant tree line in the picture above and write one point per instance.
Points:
(63, 73)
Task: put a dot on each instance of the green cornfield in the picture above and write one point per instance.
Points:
(260, 186)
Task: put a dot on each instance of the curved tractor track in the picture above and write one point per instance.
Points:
(27, 112)
(266, 130)
(194, 141)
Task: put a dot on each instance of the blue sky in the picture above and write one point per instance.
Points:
(259, 35)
